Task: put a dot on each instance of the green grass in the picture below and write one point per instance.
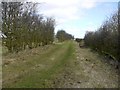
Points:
(31, 61)
(44, 77)
(61, 65)
(3, 49)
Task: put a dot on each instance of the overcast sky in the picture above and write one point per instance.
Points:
(77, 16)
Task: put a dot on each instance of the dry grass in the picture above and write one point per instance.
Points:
(36, 68)
(63, 65)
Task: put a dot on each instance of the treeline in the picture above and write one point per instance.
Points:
(24, 28)
(105, 39)
(63, 36)
(78, 40)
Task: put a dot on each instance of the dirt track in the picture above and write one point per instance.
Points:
(63, 65)
(88, 70)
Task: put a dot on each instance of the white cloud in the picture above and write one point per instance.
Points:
(91, 27)
(58, 2)
(76, 31)
(63, 14)
(67, 11)
(80, 32)
(88, 4)
(64, 10)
